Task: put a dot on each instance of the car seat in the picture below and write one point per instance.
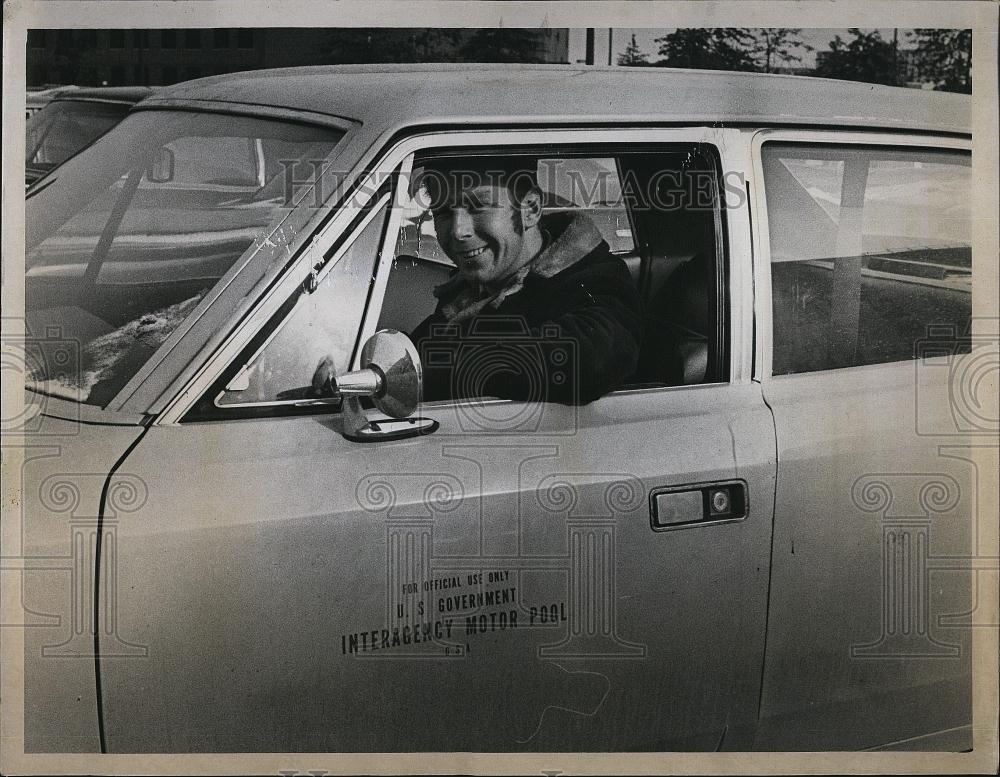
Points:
(675, 332)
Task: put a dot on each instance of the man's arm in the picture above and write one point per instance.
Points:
(586, 348)
(589, 349)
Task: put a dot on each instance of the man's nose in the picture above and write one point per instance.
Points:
(461, 224)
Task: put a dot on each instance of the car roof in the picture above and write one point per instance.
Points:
(118, 94)
(403, 95)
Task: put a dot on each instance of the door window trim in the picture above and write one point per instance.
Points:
(764, 313)
(395, 160)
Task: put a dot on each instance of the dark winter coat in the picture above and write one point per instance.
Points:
(568, 330)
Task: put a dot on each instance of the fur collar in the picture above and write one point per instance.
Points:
(570, 237)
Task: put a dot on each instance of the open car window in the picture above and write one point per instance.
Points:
(658, 212)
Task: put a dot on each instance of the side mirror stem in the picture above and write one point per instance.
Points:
(368, 382)
(390, 375)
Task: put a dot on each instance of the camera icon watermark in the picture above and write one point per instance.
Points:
(45, 358)
(503, 357)
(956, 382)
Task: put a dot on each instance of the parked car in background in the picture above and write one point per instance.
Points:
(753, 544)
(72, 119)
(36, 99)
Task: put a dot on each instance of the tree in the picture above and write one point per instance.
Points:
(867, 57)
(427, 44)
(502, 44)
(774, 45)
(387, 44)
(712, 48)
(944, 58)
(633, 55)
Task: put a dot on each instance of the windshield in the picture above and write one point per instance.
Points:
(125, 239)
(62, 128)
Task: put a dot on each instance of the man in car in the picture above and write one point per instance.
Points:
(538, 308)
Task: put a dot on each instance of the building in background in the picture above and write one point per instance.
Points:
(164, 56)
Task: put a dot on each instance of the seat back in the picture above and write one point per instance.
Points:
(675, 337)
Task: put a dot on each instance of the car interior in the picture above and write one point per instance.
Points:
(659, 214)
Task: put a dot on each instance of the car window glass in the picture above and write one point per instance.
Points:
(322, 323)
(870, 249)
(219, 161)
(590, 187)
(140, 227)
(676, 209)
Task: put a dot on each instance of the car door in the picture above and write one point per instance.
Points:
(528, 576)
(869, 372)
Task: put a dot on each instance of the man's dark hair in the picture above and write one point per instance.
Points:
(445, 178)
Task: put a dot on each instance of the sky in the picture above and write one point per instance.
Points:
(819, 38)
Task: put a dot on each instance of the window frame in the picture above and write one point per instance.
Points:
(611, 143)
(852, 140)
(734, 246)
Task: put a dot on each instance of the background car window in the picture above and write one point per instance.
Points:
(591, 187)
(63, 127)
(321, 323)
(132, 233)
(221, 161)
(870, 247)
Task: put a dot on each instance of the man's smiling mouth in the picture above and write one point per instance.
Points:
(467, 256)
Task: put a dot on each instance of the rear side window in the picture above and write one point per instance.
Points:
(870, 249)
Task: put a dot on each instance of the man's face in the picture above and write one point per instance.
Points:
(481, 231)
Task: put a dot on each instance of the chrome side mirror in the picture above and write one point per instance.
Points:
(390, 375)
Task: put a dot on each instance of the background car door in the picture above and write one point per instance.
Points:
(497, 585)
(873, 392)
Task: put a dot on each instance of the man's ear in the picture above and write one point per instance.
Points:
(531, 209)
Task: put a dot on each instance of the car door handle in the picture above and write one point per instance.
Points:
(698, 504)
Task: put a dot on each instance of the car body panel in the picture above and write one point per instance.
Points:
(840, 638)
(274, 578)
(467, 94)
(868, 638)
(63, 476)
(260, 547)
